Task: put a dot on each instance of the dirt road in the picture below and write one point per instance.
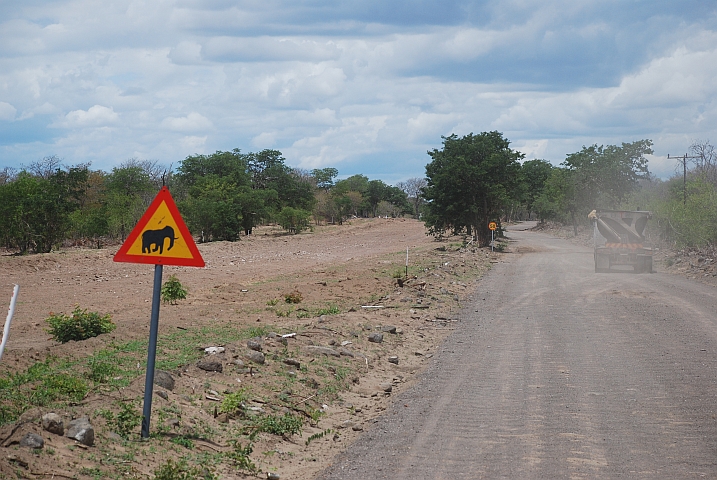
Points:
(558, 372)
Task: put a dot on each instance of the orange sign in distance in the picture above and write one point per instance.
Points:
(492, 226)
(161, 237)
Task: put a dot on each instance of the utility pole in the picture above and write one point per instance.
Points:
(683, 159)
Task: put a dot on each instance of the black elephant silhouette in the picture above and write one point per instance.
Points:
(156, 238)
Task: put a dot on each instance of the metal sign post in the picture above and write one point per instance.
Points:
(492, 226)
(160, 238)
(151, 351)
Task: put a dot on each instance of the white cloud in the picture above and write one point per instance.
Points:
(95, 116)
(7, 111)
(193, 144)
(192, 122)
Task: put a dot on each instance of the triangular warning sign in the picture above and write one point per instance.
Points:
(161, 237)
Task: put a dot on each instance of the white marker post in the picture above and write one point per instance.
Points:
(8, 320)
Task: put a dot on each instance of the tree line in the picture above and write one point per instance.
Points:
(470, 181)
(221, 196)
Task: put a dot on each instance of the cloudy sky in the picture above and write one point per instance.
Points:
(363, 86)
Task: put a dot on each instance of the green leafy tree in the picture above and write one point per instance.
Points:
(294, 220)
(533, 175)
(468, 183)
(325, 177)
(603, 176)
(129, 191)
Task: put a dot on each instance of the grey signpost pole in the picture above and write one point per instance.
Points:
(151, 351)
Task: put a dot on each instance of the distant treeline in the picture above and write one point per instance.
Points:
(469, 182)
(220, 196)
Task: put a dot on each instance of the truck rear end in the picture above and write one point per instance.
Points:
(620, 240)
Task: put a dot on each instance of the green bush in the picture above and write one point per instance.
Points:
(287, 424)
(294, 220)
(180, 470)
(172, 290)
(81, 325)
(234, 402)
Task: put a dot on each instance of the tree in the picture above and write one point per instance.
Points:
(35, 212)
(468, 182)
(533, 175)
(325, 177)
(603, 176)
(414, 189)
(129, 193)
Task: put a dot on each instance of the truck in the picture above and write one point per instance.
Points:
(620, 240)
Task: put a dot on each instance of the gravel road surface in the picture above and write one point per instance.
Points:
(558, 372)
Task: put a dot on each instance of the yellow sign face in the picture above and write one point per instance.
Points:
(492, 226)
(160, 237)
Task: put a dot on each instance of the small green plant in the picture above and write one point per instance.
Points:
(127, 419)
(240, 456)
(303, 314)
(293, 297)
(61, 386)
(272, 302)
(398, 273)
(285, 425)
(172, 291)
(184, 441)
(180, 470)
(81, 325)
(100, 371)
(500, 246)
(234, 402)
(317, 436)
(284, 313)
(329, 310)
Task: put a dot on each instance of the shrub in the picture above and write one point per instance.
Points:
(181, 470)
(234, 402)
(287, 424)
(172, 290)
(293, 297)
(294, 220)
(81, 325)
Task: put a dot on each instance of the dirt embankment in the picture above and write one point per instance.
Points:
(359, 334)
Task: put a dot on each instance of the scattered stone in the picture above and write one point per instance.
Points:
(17, 460)
(223, 418)
(345, 352)
(323, 319)
(393, 360)
(254, 345)
(81, 430)
(115, 436)
(386, 387)
(345, 424)
(213, 350)
(210, 365)
(388, 329)
(164, 379)
(375, 338)
(292, 362)
(444, 291)
(162, 393)
(272, 476)
(238, 362)
(256, 357)
(357, 428)
(32, 440)
(52, 422)
(173, 422)
(345, 342)
(323, 350)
